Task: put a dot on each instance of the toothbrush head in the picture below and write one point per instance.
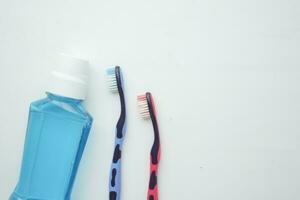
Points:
(145, 105)
(114, 78)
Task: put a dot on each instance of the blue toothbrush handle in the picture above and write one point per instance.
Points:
(115, 171)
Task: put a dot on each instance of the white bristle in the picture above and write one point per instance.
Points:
(111, 79)
(143, 106)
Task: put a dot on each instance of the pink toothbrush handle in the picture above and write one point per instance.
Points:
(154, 164)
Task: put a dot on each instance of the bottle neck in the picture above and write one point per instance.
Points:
(63, 99)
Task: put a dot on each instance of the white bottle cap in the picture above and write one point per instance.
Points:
(70, 78)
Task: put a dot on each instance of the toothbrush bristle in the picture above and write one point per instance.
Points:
(111, 79)
(143, 106)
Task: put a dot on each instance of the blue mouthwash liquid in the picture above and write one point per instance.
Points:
(57, 131)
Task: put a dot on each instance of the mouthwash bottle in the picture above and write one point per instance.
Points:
(58, 128)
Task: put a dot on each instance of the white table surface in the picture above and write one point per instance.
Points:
(225, 76)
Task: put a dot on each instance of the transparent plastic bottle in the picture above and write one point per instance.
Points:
(57, 131)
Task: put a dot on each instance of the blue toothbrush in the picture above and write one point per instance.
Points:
(116, 85)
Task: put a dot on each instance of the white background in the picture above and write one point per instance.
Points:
(225, 76)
